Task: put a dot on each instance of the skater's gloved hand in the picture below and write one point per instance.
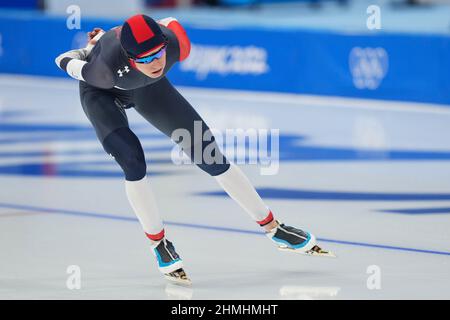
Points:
(93, 37)
(91, 34)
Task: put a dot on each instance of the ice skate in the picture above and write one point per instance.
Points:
(178, 277)
(170, 263)
(295, 240)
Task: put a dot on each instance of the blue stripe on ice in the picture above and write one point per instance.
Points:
(419, 211)
(301, 194)
(206, 227)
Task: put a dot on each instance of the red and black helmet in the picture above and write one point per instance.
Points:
(141, 34)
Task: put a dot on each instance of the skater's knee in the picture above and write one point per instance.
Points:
(124, 146)
(214, 164)
(214, 169)
(210, 159)
(134, 167)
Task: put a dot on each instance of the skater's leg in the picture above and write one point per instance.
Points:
(106, 114)
(240, 189)
(163, 106)
(126, 149)
(111, 126)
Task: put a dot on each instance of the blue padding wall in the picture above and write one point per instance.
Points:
(380, 65)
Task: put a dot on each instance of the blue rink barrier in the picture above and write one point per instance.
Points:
(376, 65)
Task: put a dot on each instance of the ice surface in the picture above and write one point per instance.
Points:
(371, 179)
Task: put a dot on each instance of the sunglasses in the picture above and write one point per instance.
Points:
(151, 58)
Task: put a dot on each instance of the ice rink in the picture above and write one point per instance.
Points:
(371, 179)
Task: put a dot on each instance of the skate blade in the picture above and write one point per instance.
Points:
(178, 277)
(315, 251)
(186, 282)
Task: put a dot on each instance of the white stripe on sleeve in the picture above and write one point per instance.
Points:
(74, 68)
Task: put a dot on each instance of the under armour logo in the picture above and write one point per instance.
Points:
(121, 72)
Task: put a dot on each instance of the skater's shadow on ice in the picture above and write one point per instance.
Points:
(289, 292)
(298, 285)
(178, 292)
(263, 278)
